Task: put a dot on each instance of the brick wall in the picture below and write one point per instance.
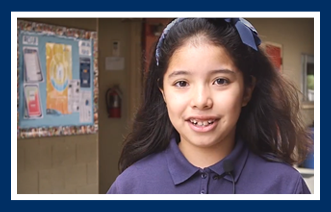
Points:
(57, 165)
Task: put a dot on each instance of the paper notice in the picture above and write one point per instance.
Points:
(85, 113)
(32, 67)
(74, 96)
(32, 101)
(84, 48)
(114, 63)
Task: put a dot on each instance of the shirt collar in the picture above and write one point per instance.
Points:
(238, 156)
(181, 169)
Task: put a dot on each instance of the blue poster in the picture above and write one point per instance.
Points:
(85, 73)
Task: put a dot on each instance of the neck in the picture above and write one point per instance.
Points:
(206, 156)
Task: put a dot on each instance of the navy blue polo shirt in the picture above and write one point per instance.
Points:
(169, 172)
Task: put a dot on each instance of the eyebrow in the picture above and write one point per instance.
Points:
(177, 73)
(223, 71)
(219, 71)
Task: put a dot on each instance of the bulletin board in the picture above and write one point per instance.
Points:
(57, 79)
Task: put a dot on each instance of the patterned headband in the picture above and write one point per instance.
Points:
(247, 33)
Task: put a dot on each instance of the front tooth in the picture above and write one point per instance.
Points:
(200, 123)
(205, 123)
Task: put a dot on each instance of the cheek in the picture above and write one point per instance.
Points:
(229, 102)
(175, 103)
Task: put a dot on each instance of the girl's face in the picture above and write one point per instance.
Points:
(204, 93)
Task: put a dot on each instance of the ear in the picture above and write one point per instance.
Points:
(248, 92)
(161, 90)
(163, 94)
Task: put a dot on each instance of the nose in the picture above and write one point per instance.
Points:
(201, 98)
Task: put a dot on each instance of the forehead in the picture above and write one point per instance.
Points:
(198, 53)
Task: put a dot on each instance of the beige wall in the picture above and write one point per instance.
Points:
(57, 165)
(296, 35)
(112, 131)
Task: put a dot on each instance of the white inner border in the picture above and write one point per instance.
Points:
(15, 15)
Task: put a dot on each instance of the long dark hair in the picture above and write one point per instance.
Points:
(269, 124)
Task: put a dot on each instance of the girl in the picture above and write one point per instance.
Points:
(216, 117)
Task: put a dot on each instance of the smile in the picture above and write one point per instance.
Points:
(202, 125)
(201, 122)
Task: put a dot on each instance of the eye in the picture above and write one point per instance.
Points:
(181, 84)
(221, 81)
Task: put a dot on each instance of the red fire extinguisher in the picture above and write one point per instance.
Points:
(113, 101)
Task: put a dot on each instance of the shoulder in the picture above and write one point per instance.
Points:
(277, 177)
(140, 174)
(276, 168)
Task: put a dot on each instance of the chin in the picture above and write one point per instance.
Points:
(204, 142)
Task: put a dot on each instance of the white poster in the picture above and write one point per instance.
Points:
(32, 66)
(74, 96)
(85, 113)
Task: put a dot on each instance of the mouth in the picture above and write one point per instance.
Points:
(202, 124)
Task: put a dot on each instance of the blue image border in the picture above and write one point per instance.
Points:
(190, 205)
